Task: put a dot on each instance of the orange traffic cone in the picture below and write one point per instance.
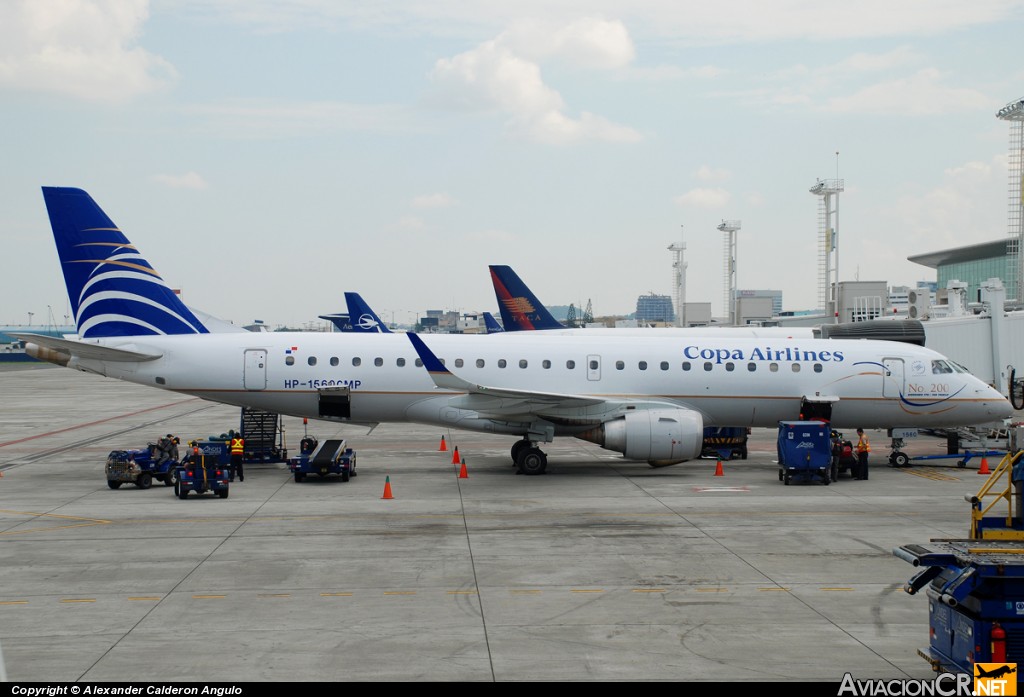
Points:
(984, 466)
(718, 470)
(387, 488)
(443, 447)
(463, 474)
(455, 456)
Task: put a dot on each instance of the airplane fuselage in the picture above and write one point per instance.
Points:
(729, 381)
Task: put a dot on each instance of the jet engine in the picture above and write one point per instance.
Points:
(660, 436)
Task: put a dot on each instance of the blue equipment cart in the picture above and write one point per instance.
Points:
(139, 467)
(975, 592)
(805, 451)
(200, 474)
(329, 457)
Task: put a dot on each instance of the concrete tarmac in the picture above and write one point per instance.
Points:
(600, 570)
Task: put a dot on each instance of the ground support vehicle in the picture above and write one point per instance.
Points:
(844, 459)
(725, 442)
(805, 451)
(329, 457)
(201, 474)
(138, 467)
(975, 594)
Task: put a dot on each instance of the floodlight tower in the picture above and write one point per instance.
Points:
(1014, 113)
(679, 279)
(730, 227)
(828, 243)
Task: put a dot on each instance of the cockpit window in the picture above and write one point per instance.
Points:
(940, 367)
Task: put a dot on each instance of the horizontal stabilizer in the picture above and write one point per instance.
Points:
(85, 350)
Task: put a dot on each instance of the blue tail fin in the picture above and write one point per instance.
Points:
(491, 324)
(520, 308)
(113, 290)
(361, 317)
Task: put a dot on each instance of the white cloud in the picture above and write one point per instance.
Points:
(498, 75)
(703, 198)
(86, 49)
(710, 174)
(920, 94)
(432, 201)
(189, 180)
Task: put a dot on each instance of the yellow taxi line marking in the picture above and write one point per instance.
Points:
(145, 598)
(273, 595)
(586, 590)
(13, 602)
(399, 592)
(334, 595)
(836, 589)
(78, 600)
(648, 590)
(208, 597)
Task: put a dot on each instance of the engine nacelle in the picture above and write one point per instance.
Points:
(660, 436)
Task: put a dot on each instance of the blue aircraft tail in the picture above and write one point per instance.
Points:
(491, 324)
(520, 308)
(361, 317)
(113, 290)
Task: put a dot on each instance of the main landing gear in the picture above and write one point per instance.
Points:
(528, 458)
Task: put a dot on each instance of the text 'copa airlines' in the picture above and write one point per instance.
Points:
(790, 354)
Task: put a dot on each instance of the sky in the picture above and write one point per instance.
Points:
(268, 155)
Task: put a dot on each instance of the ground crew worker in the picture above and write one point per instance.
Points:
(237, 450)
(863, 448)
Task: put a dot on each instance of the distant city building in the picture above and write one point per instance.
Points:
(654, 308)
(775, 295)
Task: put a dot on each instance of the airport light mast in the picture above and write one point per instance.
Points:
(828, 243)
(679, 279)
(1014, 113)
(729, 267)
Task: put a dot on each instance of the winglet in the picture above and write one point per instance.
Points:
(441, 376)
(520, 308)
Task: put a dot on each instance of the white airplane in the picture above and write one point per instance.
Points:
(648, 398)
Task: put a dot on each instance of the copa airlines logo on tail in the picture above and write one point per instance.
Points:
(762, 353)
(121, 295)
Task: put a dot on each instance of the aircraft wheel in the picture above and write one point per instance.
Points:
(900, 459)
(517, 448)
(532, 461)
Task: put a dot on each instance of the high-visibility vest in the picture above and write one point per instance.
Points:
(862, 445)
(237, 446)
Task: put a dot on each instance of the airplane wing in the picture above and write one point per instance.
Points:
(496, 400)
(85, 350)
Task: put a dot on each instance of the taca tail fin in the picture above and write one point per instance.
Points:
(113, 290)
(520, 308)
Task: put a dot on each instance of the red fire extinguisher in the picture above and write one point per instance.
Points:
(998, 644)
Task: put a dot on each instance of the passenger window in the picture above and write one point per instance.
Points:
(796, 367)
(773, 367)
(686, 365)
(458, 362)
(593, 365)
(729, 367)
(708, 365)
(480, 363)
(664, 365)
(751, 366)
(289, 360)
(642, 365)
(378, 361)
(311, 360)
(419, 363)
(400, 362)
(442, 361)
(502, 363)
(571, 365)
(522, 362)
(817, 367)
(619, 365)
(546, 364)
(357, 361)
(334, 360)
